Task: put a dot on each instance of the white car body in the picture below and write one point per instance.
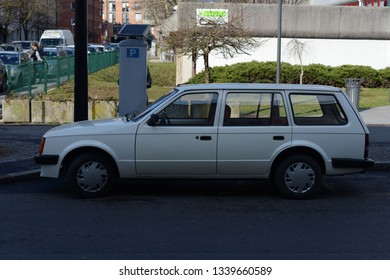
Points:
(238, 149)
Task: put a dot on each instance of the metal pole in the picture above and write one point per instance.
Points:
(279, 47)
(81, 62)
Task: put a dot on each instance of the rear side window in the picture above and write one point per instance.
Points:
(255, 109)
(317, 109)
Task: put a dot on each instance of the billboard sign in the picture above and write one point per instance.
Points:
(207, 16)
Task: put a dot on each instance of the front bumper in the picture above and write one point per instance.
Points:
(46, 159)
(352, 163)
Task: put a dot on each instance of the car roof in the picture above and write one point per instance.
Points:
(256, 86)
(10, 52)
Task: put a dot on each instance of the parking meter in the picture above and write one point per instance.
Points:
(133, 68)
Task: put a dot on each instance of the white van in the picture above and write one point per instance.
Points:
(56, 37)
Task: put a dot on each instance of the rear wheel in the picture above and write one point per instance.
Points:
(298, 177)
(91, 175)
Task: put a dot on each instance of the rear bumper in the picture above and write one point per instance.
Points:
(46, 159)
(352, 163)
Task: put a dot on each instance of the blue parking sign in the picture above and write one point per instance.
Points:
(133, 52)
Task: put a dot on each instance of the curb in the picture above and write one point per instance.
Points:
(20, 176)
(380, 166)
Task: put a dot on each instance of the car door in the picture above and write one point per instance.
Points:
(252, 133)
(182, 140)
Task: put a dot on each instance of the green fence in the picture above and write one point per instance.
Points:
(37, 77)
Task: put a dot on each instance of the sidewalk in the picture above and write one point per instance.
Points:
(17, 163)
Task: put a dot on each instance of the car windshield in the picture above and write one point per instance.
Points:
(51, 42)
(26, 45)
(11, 59)
(135, 117)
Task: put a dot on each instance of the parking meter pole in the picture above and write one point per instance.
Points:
(132, 76)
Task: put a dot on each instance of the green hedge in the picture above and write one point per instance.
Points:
(265, 72)
(163, 73)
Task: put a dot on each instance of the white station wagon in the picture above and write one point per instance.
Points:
(292, 134)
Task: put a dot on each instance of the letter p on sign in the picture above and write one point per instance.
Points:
(133, 52)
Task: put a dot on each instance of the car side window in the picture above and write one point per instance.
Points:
(194, 109)
(317, 109)
(255, 109)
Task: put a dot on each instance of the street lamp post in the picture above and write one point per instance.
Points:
(81, 62)
(279, 47)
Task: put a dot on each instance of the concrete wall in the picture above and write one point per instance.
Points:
(35, 111)
(300, 21)
(336, 35)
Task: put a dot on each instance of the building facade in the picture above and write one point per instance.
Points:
(65, 18)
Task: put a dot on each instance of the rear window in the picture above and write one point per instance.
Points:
(317, 109)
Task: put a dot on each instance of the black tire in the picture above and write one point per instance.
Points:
(4, 86)
(298, 177)
(91, 175)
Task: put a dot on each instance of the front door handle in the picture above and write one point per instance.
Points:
(205, 138)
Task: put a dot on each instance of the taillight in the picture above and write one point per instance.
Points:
(366, 144)
(42, 146)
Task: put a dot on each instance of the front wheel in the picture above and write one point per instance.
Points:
(91, 175)
(298, 177)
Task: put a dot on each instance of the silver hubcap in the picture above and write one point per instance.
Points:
(299, 177)
(92, 176)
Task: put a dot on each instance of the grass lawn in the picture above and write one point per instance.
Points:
(374, 97)
(103, 85)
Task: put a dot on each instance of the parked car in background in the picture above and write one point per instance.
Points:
(26, 45)
(20, 71)
(114, 46)
(56, 37)
(3, 77)
(69, 50)
(92, 48)
(291, 134)
(53, 57)
(12, 47)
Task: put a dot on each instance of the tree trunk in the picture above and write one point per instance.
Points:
(301, 76)
(206, 67)
(194, 57)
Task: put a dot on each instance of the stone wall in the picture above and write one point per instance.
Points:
(25, 111)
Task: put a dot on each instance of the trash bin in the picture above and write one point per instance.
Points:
(352, 86)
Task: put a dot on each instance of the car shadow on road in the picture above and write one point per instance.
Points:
(194, 187)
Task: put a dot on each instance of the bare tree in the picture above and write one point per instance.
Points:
(33, 14)
(158, 10)
(8, 13)
(297, 49)
(227, 38)
(24, 14)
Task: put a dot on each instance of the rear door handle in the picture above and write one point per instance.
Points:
(278, 137)
(205, 138)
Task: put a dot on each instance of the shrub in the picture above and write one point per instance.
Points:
(265, 72)
(385, 77)
(163, 74)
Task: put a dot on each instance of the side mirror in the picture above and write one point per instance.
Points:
(154, 118)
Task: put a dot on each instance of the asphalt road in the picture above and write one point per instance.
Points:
(187, 219)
